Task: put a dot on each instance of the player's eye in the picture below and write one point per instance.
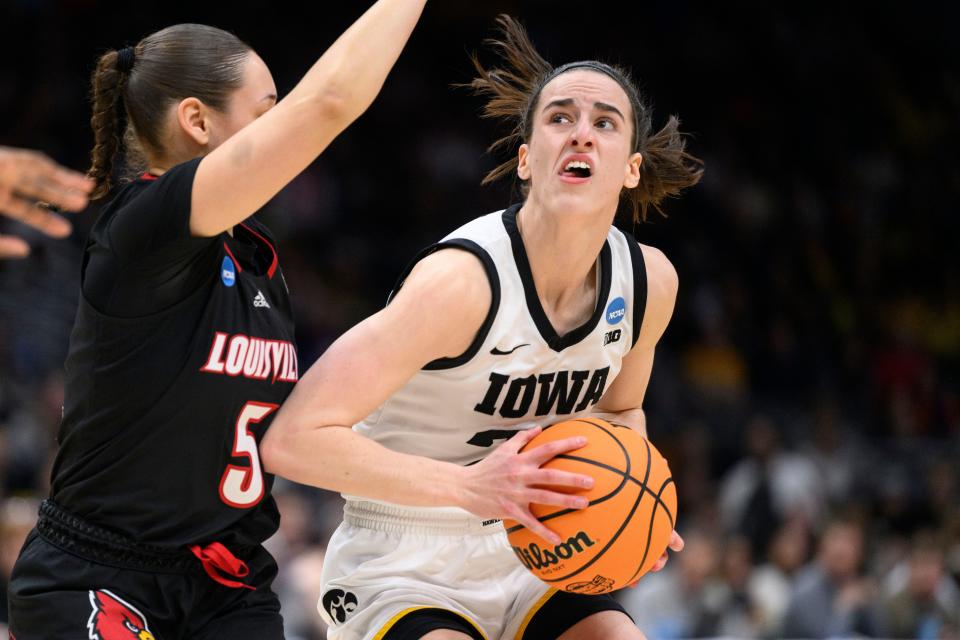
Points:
(606, 123)
(560, 118)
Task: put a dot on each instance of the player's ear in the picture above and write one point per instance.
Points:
(192, 116)
(632, 177)
(523, 169)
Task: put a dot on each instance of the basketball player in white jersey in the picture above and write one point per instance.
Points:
(521, 318)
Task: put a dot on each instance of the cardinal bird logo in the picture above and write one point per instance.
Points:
(115, 619)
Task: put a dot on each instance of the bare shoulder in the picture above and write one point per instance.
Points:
(449, 292)
(662, 278)
(662, 286)
(451, 272)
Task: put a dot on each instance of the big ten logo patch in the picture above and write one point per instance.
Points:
(339, 604)
(611, 336)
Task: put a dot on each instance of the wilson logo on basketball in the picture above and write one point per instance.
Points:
(533, 557)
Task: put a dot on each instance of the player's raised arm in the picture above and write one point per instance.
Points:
(310, 440)
(243, 173)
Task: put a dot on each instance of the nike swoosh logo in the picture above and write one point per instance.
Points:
(497, 352)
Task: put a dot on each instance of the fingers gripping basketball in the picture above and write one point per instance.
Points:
(625, 529)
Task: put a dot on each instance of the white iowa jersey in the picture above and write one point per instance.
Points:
(518, 372)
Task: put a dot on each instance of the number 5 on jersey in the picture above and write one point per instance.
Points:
(242, 486)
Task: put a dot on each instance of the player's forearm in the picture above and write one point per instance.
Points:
(352, 71)
(338, 459)
(633, 418)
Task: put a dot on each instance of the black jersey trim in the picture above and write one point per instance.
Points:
(547, 332)
(272, 269)
(226, 247)
(491, 270)
(639, 286)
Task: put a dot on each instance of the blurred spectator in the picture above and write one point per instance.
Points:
(17, 517)
(831, 596)
(771, 584)
(767, 487)
(301, 596)
(686, 599)
(740, 615)
(921, 600)
(834, 451)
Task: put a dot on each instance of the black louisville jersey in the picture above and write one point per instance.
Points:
(181, 353)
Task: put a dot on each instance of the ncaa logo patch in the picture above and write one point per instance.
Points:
(616, 310)
(228, 272)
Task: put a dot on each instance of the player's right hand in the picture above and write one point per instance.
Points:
(28, 178)
(505, 483)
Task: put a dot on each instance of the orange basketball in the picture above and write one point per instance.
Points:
(626, 527)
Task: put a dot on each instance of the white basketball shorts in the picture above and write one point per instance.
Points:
(385, 562)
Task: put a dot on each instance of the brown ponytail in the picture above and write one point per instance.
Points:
(182, 61)
(513, 90)
(107, 84)
(510, 89)
(666, 170)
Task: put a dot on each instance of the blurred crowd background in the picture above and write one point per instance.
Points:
(806, 393)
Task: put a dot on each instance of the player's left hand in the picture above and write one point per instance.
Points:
(675, 544)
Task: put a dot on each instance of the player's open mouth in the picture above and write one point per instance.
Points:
(577, 169)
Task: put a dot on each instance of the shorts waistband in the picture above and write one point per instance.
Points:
(71, 533)
(399, 519)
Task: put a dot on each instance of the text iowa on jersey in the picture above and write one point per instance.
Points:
(252, 357)
(560, 392)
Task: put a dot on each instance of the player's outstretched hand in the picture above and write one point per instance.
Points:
(31, 183)
(505, 483)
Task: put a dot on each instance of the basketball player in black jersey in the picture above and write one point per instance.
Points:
(183, 345)
(509, 303)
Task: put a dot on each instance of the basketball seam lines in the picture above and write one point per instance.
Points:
(643, 487)
(625, 475)
(623, 524)
(653, 518)
(613, 538)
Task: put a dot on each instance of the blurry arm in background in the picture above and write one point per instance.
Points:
(28, 178)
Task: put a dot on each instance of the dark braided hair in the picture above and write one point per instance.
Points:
(107, 83)
(182, 61)
(513, 91)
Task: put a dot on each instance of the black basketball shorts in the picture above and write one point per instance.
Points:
(71, 584)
